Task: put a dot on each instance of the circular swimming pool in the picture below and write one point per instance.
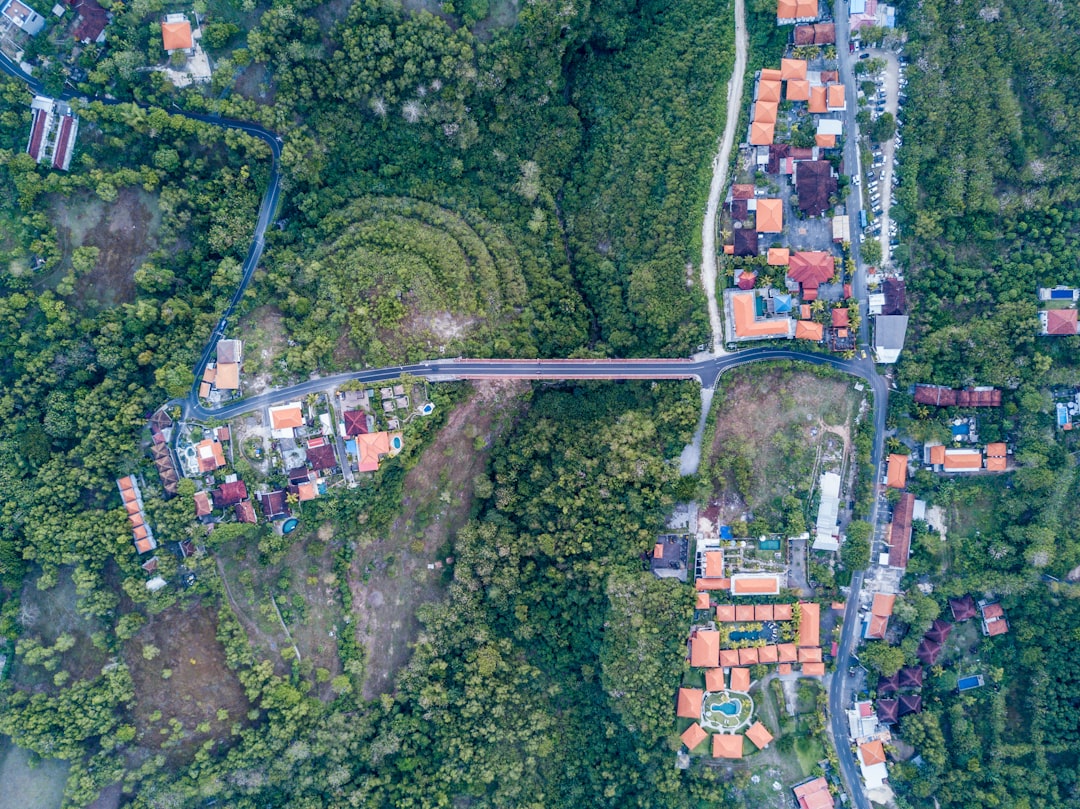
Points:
(289, 525)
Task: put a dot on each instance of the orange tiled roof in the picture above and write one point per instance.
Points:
(898, 467)
(783, 668)
(761, 133)
(810, 625)
(793, 69)
(748, 657)
(740, 679)
(176, 36)
(702, 602)
(712, 584)
(228, 376)
(725, 613)
(996, 464)
(765, 112)
(883, 604)
(810, 654)
(131, 508)
(998, 627)
(763, 612)
(813, 669)
(689, 705)
(806, 8)
(144, 545)
(768, 654)
(779, 256)
(768, 91)
(693, 736)
(714, 564)
(818, 100)
(872, 753)
(781, 612)
(770, 215)
(788, 653)
(787, 9)
(996, 459)
(759, 735)
(770, 74)
(705, 649)
(835, 99)
(742, 305)
(307, 491)
(727, 745)
(937, 454)
(714, 680)
(963, 459)
(284, 417)
(798, 90)
(744, 612)
(755, 585)
(808, 330)
(825, 141)
(814, 795)
(877, 627)
(729, 658)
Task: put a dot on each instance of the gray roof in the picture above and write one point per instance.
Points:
(890, 330)
(228, 350)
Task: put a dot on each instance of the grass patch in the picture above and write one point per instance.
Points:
(809, 752)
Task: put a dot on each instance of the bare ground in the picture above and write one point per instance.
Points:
(199, 683)
(125, 232)
(390, 577)
(265, 341)
(768, 415)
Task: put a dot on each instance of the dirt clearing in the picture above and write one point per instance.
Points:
(390, 577)
(773, 427)
(184, 691)
(265, 342)
(125, 232)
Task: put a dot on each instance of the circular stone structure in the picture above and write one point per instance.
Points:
(726, 711)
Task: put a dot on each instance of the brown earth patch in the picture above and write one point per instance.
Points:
(125, 232)
(391, 577)
(265, 341)
(199, 684)
(252, 84)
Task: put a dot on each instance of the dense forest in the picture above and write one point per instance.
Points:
(989, 203)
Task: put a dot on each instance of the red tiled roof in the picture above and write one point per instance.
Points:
(245, 512)
(814, 185)
(355, 422)
(726, 745)
(693, 736)
(840, 317)
(689, 704)
(63, 142)
(705, 649)
(714, 680)
(782, 612)
(962, 608)
(740, 679)
(725, 613)
(322, 457)
(229, 494)
(898, 468)
(814, 795)
(742, 191)
(811, 268)
(900, 531)
(1061, 321)
(810, 624)
(36, 133)
(993, 611)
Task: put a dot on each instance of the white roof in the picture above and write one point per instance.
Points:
(828, 513)
(830, 126)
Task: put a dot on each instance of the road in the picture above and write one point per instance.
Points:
(721, 165)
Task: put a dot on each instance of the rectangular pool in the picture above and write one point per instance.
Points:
(968, 683)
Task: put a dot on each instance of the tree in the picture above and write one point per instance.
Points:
(882, 658)
(871, 251)
(883, 128)
(855, 552)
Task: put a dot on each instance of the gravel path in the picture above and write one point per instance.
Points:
(719, 179)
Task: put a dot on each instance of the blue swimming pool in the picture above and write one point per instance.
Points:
(728, 708)
(289, 525)
(968, 683)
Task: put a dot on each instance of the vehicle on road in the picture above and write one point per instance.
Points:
(864, 56)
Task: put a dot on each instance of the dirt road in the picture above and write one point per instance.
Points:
(719, 178)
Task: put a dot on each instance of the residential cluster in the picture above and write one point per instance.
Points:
(968, 452)
(1057, 311)
(53, 130)
(221, 379)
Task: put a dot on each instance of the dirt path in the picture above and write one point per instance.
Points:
(691, 454)
(719, 179)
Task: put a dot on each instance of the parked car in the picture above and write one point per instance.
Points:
(864, 56)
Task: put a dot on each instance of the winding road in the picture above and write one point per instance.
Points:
(706, 371)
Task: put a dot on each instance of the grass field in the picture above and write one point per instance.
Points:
(774, 428)
(390, 576)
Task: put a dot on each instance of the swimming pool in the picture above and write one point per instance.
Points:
(968, 683)
(289, 525)
(728, 708)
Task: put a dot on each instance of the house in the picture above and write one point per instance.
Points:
(900, 532)
(862, 722)
(928, 651)
(131, 497)
(793, 69)
(895, 297)
(714, 680)
(835, 99)
(808, 330)
(809, 624)
(229, 494)
(245, 512)
(996, 457)
(962, 608)
(769, 92)
(822, 33)
(228, 376)
(65, 139)
(827, 531)
(166, 467)
(705, 649)
(819, 104)
(693, 736)
(748, 656)
(798, 90)
(810, 269)
(53, 131)
(209, 455)
(23, 16)
(727, 745)
(320, 454)
(274, 504)
(770, 216)
(746, 242)
(355, 423)
(993, 619)
(841, 318)
(878, 621)
(939, 631)
(889, 333)
(898, 471)
(778, 256)
(160, 425)
(910, 677)
(91, 21)
(841, 225)
(909, 703)
(962, 460)
(725, 613)
(41, 110)
(176, 34)
(762, 134)
(755, 584)
(284, 419)
(202, 504)
(765, 112)
(814, 795)
(872, 764)
(668, 560)
(814, 185)
(941, 396)
(792, 11)
(827, 142)
(740, 680)
(309, 490)
(888, 711)
(372, 447)
(689, 703)
(746, 323)
(1058, 322)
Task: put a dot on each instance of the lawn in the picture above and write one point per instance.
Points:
(776, 429)
(809, 752)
